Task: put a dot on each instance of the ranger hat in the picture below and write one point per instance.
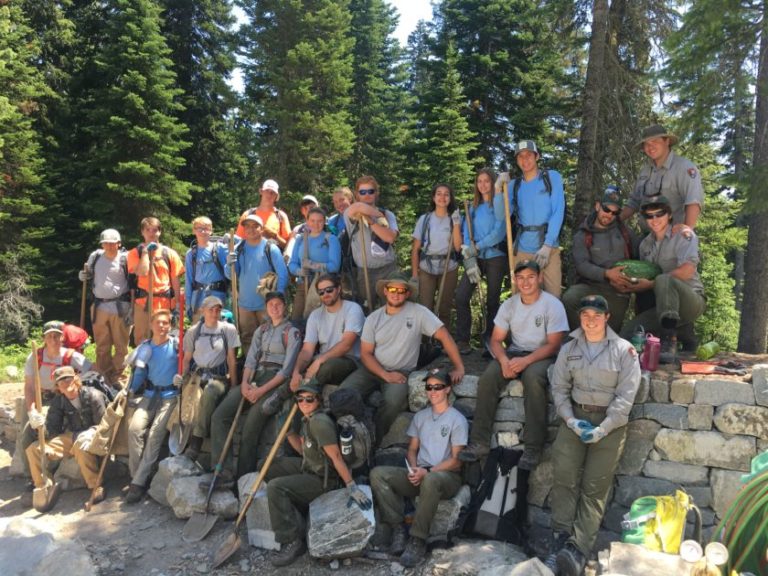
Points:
(397, 278)
(658, 201)
(530, 264)
(63, 372)
(53, 326)
(594, 302)
(612, 195)
(271, 185)
(211, 302)
(657, 131)
(109, 235)
(529, 145)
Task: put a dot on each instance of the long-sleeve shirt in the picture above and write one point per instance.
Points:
(486, 230)
(252, 264)
(323, 249)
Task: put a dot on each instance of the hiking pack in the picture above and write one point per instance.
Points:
(96, 381)
(221, 285)
(425, 240)
(197, 333)
(347, 409)
(658, 522)
(123, 256)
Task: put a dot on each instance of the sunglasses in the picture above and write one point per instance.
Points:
(366, 191)
(306, 399)
(324, 291)
(396, 290)
(607, 210)
(654, 215)
(435, 387)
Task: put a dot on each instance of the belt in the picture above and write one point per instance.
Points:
(275, 364)
(220, 286)
(592, 408)
(141, 293)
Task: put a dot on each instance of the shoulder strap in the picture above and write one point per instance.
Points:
(425, 235)
(268, 254)
(193, 258)
(627, 240)
(66, 360)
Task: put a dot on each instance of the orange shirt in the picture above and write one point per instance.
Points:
(162, 273)
(278, 225)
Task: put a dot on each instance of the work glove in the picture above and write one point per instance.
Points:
(542, 256)
(231, 258)
(502, 182)
(84, 275)
(578, 426)
(85, 438)
(382, 221)
(178, 380)
(594, 435)
(36, 420)
(471, 269)
(152, 246)
(469, 251)
(306, 268)
(356, 496)
(456, 217)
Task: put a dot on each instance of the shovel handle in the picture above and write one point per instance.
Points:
(39, 403)
(121, 400)
(510, 243)
(265, 468)
(364, 257)
(233, 276)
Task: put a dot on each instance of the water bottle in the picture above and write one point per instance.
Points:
(638, 339)
(708, 350)
(345, 439)
(650, 358)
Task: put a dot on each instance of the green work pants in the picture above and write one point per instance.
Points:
(583, 476)
(617, 303)
(395, 397)
(390, 485)
(335, 370)
(535, 384)
(214, 391)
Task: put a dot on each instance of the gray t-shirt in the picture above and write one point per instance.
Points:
(396, 338)
(326, 328)
(208, 347)
(437, 434)
(436, 242)
(77, 361)
(109, 281)
(531, 323)
(274, 345)
(376, 256)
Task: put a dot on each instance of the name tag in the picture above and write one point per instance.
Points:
(569, 358)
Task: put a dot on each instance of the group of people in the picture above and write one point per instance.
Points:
(344, 267)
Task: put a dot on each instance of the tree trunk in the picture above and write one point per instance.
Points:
(588, 172)
(754, 312)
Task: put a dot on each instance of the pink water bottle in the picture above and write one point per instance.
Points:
(650, 358)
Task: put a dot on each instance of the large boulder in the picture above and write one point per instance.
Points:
(168, 470)
(633, 560)
(640, 435)
(337, 530)
(718, 392)
(474, 557)
(706, 448)
(760, 383)
(741, 419)
(185, 496)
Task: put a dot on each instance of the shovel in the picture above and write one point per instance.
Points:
(120, 402)
(43, 499)
(231, 543)
(200, 523)
(364, 256)
(179, 436)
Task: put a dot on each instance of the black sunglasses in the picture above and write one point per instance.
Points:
(435, 387)
(366, 191)
(323, 291)
(607, 210)
(654, 215)
(307, 399)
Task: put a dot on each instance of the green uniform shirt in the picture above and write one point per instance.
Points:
(317, 430)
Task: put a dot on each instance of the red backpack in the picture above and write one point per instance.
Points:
(74, 337)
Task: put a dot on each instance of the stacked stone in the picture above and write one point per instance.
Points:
(9, 425)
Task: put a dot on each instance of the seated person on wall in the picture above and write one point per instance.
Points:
(210, 362)
(536, 323)
(601, 241)
(295, 482)
(69, 428)
(437, 434)
(596, 378)
(155, 363)
(331, 349)
(389, 348)
(268, 364)
(678, 291)
(49, 357)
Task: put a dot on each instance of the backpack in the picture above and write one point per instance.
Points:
(95, 380)
(216, 262)
(122, 255)
(589, 239)
(498, 505)
(267, 252)
(133, 279)
(658, 522)
(425, 240)
(66, 359)
(74, 337)
(347, 409)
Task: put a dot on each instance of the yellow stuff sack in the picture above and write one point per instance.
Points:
(657, 522)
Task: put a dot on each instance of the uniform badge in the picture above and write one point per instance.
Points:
(308, 443)
(574, 358)
(409, 323)
(692, 172)
(539, 321)
(444, 430)
(632, 352)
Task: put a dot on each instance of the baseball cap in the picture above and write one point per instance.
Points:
(309, 198)
(529, 145)
(109, 235)
(254, 218)
(594, 302)
(660, 201)
(274, 294)
(63, 372)
(440, 374)
(530, 264)
(312, 386)
(612, 195)
(271, 185)
(53, 326)
(211, 302)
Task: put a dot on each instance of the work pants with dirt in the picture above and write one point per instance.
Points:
(290, 492)
(429, 286)
(390, 486)
(59, 448)
(141, 316)
(675, 299)
(552, 273)
(583, 476)
(146, 434)
(109, 330)
(617, 303)
(374, 275)
(248, 321)
(253, 420)
(394, 397)
(335, 370)
(494, 270)
(214, 389)
(535, 385)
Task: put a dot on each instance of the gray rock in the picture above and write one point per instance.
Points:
(473, 557)
(338, 531)
(632, 560)
(725, 485)
(760, 383)
(447, 514)
(168, 469)
(718, 392)
(69, 476)
(659, 390)
(630, 488)
(12, 372)
(700, 416)
(706, 449)
(702, 495)
(541, 480)
(417, 395)
(511, 410)
(668, 415)
(185, 497)
(532, 567)
(640, 435)
(636, 413)
(676, 472)
(741, 419)
(682, 390)
(644, 390)
(396, 436)
(467, 388)
(466, 406)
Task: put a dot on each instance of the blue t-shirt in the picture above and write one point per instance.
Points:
(158, 364)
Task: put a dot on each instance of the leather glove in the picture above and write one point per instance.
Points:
(36, 420)
(231, 258)
(469, 251)
(152, 246)
(178, 380)
(84, 275)
(502, 181)
(592, 436)
(578, 426)
(356, 496)
(456, 217)
(542, 256)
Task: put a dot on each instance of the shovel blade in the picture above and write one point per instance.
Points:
(44, 499)
(198, 526)
(228, 547)
(177, 440)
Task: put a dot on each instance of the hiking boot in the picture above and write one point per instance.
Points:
(686, 337)
(135, 494)
(570, 561)
(558, 541)
(225, 481)
(98, 495)
(530, 458)
(272, 405)
(288, 553)
(399, 540)
(193, 448)
(473, 453)
(668, 351)
(414, 553)
(464, 348)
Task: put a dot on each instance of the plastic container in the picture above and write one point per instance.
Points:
(638, 339)
(708, 350)
(651, 351)
(345, 439)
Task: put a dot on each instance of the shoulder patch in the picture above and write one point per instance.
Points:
(692, 172)
(632, 351)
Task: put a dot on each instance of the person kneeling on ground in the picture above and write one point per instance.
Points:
(595, 381)
(70, 426)
(437, 434)
(295, 482)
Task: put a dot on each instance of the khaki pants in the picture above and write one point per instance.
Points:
(429, 286)
(141, 317)
(553, 273)
(59, 448)
(249, 320)
(110, 331)
(146, 434)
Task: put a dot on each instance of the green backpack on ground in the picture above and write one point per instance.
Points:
(658, 522)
